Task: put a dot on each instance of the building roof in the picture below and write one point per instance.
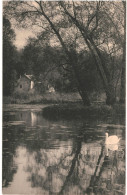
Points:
(30, 77)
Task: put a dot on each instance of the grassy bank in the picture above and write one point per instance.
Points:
(78, 110)
(47, 98)
(42, 99)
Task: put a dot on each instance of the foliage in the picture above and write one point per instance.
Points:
(75, 28)
(49, 65)
(9, 72)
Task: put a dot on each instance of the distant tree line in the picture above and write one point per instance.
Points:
(81, 46)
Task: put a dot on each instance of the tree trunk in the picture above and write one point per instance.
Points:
(81, 89)
(84, 96)
(103, 71)
(122, 88)
(110, 95)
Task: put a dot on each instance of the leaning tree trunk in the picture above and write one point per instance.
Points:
(84, 95)
(110, 95)
(73, 61)
(103, 71)
(122, 87)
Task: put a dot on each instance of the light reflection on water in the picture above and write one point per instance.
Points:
(61, 157)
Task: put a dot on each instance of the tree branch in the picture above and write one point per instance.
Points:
(53, 27)
(74, 9)
(97, 19)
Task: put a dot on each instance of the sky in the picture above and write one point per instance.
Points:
(22, 36)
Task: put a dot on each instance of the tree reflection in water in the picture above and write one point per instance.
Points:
(74, 170)
(57, 167)
(55, 160)
(106, 176)
(9, 152)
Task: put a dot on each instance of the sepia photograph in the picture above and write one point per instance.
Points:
(63, 91)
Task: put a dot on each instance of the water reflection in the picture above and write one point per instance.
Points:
(63, 157)
(33, 119)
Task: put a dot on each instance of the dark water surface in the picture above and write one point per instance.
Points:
(61, 157)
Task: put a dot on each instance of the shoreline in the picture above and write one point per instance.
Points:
(71, 110)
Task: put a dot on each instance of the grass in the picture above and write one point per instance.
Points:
(42, 99)
(50, 98)
(78, 110)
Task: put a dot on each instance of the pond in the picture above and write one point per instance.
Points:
(68, 157)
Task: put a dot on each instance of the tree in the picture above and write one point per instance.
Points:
(122, 91)
(77, 26)
(9, 73)
(44, 62)
(93, 30)
(48, 64)
(28, 11)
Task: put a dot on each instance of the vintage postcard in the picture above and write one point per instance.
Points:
(64, 97)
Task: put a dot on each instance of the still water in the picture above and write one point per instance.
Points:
(61, 157)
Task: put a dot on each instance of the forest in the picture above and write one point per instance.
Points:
(79, 47)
